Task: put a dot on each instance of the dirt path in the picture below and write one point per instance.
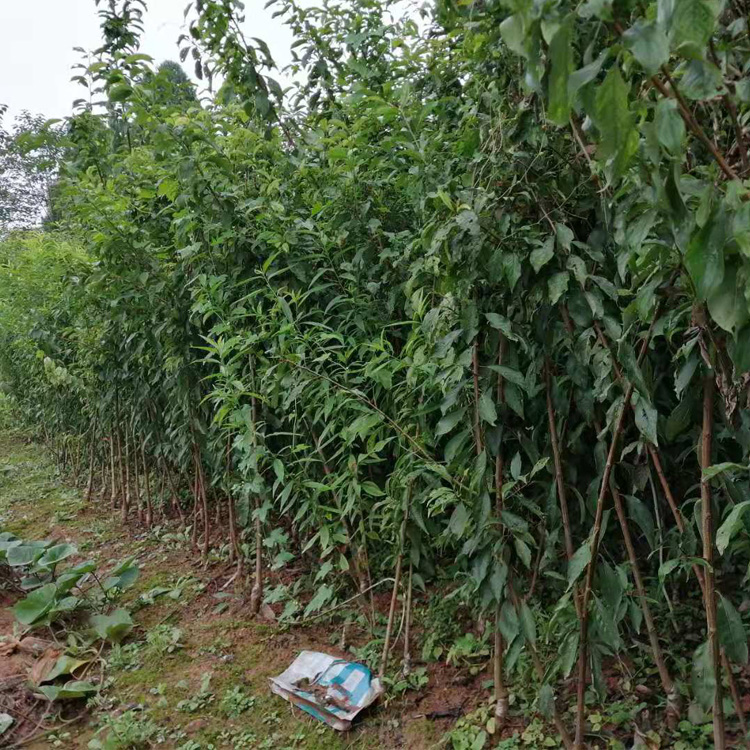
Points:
(193, 675)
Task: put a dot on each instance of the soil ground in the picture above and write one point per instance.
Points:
(156, 690)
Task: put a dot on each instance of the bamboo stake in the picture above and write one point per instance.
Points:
(736, 698)
(556, 455)
(407, 625)
(90, 480)
(113, 494)
(149, 508)
(394, 594)
(595, 538)
(256, 593)
(708, 556)
(137, 479)
(126, 480)
(502, 701)
(540, 672)
(671, 692)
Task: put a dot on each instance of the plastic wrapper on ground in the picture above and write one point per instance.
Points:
(332, 690)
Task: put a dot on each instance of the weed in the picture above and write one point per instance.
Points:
(235, 702)
(163, 639)
(130, 730)
(201, 700)
(125, 658)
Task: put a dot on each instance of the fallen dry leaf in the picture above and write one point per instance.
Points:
(43, 666)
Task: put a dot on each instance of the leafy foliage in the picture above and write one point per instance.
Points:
(406, 308)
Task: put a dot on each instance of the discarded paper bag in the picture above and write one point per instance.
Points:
(332, 690)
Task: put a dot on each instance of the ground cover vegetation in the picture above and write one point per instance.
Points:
(463, 312)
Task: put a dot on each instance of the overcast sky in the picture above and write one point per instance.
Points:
(37, 39)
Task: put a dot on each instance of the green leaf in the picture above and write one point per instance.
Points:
(114, 627)
(24, 554)
(487, 410)
(704, 258)
(639, 512)
(619, 138)
(606, 623)
(480, 564)
(168, 188)
(716, 469)
(449, 421)
(701, 81)
(123, 576)
(454, 445)
(546, 701)
(646, 419)
(667, 567)
(731, 525)
(513, 33)
(514, 398)
(120, 92)
(35, 605)
(678, 421)
(557, 285)
(568, 653)
(564, 236)
(584, 75)
(6, 722)
(649, 45)
(64, 665)
(692, 25)
(702, 677)
(512, 269)
(732, 633)
(526, 618)
(508, 621)
(542, 254)
(523, 551)
(501, 324)
(497, 579)
(670, 127)
(56, 554)
(629, 361)
(509, 374)
(322, 596)
(740, 350)
(685, 375)
(561, 54)
(68, 691)
(727, 304)
(372, 489)
(581, 558)
(459, 520)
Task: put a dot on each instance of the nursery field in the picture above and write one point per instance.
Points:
(429, 353)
